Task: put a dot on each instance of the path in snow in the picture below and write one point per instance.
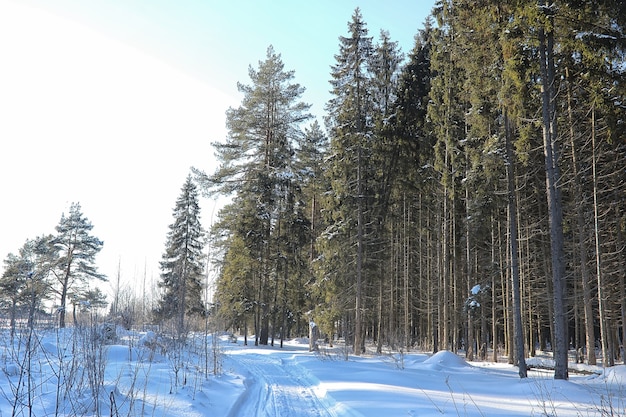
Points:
(277, 386)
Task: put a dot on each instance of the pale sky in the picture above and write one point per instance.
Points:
(109, 103)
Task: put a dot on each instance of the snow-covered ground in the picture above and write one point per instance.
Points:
(142, 374)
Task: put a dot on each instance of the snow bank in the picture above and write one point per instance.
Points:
(615, 375)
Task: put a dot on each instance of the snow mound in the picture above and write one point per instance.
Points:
(446, 359)
(301, 341)
(540, 362)
(50, 348)
(615, 374)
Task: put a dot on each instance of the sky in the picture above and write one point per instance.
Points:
(108, 103)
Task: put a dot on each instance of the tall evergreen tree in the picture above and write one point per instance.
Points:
(552, 153)
(412, 191)
(384, 70)
(12, 285)
(25, 283)
(411, 107)
(593, 61)
(257, 163)
(182, 265)
(310, 156)
(235, 292)
(350, 126)
(76, 250)
(446, 110)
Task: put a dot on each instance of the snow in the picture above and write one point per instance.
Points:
(145, 373)
(583, 35)
(475, 289)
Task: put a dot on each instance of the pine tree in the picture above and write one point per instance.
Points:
(182, 265)
(12, 284)
(25, 283)
(257, 163)
(76, 250)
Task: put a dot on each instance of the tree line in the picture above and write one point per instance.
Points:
(467, 196)
(58, 266)
(59, 270)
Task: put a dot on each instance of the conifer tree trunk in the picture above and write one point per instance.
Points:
(432, 295)
(358, 321)
(454, 327)
(505, 282)
(406, 248)
(582, 252)
(604, 335)
(182, 295)
(555, 214)
(622, 284)
(379, 344)
(445, 273)
(515, 273)
(469, 349)
(494, 321)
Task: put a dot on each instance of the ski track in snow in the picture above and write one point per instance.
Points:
(277, 387)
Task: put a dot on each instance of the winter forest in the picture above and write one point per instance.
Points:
(468, 195)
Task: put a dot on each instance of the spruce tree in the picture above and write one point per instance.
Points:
(311, 153)
(350, 126)
(412, 191)
(446, 111)
(182, 265)
(410, 110)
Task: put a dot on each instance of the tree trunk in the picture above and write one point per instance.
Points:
(555, 214)
(582, 252)
(507, 299)
(515, 273)
(469, 350)
(358, 321)
(438, 293)
(379, 341)
(445, 287)
(65, 282)
(606, 351)
(494, 321)
(622, 283)
(283, 325)
(432, 286)
(257, 310)
(182, 296)
(405, 270)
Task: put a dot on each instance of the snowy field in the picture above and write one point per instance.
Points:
(63, 373)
